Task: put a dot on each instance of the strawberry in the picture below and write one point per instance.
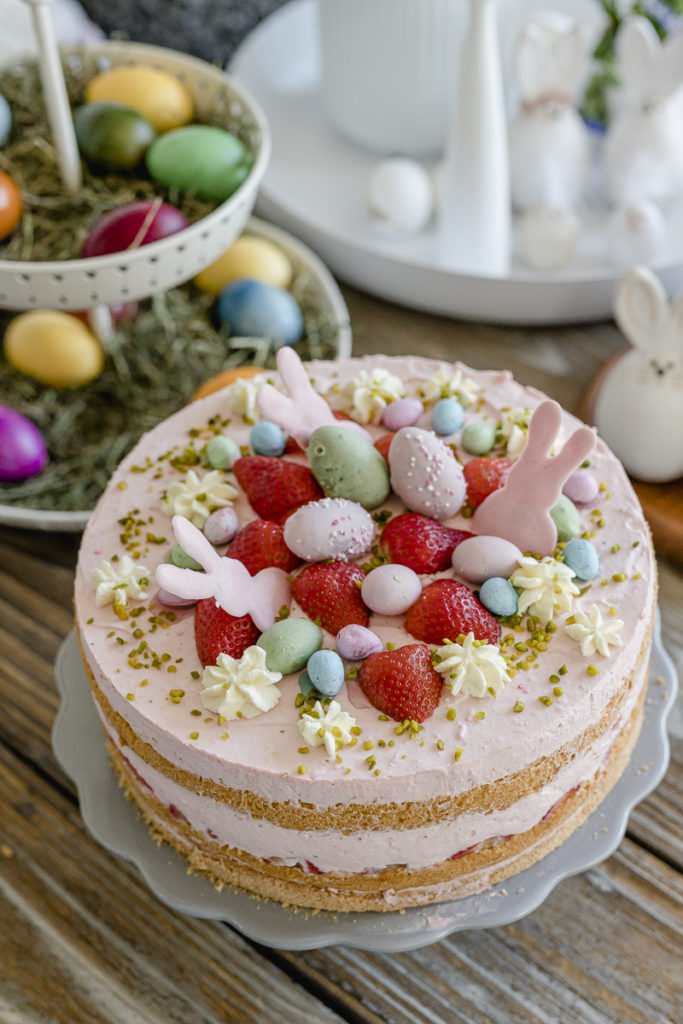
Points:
(484, 475)
(216, 632)
(402, 683)
(447, 608)
(331, 594)
(420, 543)
(261, 544)
(275, 487)
(383, 444)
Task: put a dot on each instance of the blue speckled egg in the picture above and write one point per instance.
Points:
(582, 556)
(267, 438)
(255, 309)
(498, 596)
(5, 120)
(326, 671)
(447, 416)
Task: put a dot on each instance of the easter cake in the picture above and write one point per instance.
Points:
(423, 661)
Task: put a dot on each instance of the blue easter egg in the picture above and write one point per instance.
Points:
(5, 120)
(581, 556)
(447, 416)
(326, 672)
(266, 438)
(255, 309)
(498, 596)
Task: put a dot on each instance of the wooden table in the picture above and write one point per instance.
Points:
(82, 941)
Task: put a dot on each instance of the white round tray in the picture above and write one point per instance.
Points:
(323, 292)
(78, 744)
(315, 185)
(137, 273)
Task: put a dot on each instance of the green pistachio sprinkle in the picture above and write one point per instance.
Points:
(558, 691)
(563, 670)
(439, 744)
(194, 735)
(554, 679)
(592, 670)
(519, 706)
(546, 700)
(480, 715)
(458, 754)
(450, 714)
(195, 712)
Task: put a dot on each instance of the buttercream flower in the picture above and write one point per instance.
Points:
(593, 633)
(332, 727)
(545, 587)
(449, 383)
(240, 688)
(241, 396)
(196, 497)
(115, 584)
(472, 667)
(371, 392)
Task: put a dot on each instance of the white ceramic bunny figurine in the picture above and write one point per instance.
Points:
(639, 411)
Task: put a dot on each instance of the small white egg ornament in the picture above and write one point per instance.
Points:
(400, 196)
(636, 234)
(548, 236)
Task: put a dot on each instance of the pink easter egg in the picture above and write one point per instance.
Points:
(355, 642)
(402, 413)
(479, 558)
(329, 528)
(581, 487)
(22, 448)
(131, 226)
(391, 589)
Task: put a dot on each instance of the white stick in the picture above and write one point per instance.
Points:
(56, 99)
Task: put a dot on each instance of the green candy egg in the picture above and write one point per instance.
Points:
(478, 438)
(178, 556)
(111, 135)
(207, 161)
(565, 515)
(289, 644)
(347, 466)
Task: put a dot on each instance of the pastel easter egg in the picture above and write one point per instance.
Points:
(22, 448)
(582, 556)
(267, 438)
(11, 205)
(180, 557)
(133, 224)
(479, 558)
(447, 416)
(355, 642)
(289, 644)
(425, 474)
(347, 466)
(565, 515)
(252, 309)
(498, 596)
(112, 136)
(53, 348)
(169, 599)
(391, 589)
(478, 438)
(224, 379)
(400, 196)
(221, 526)
(156, 94)
(222, 452)
(201, 159)
(581, 487)
(5, 120)
(251, 257)
(326, 671)
(404, 412)
(305, 684)
(330, 528)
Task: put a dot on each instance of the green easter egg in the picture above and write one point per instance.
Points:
(289, 644)
(112, 136)
(181, 558)
(347, 466)
(565, 515)
(207, 161)
(478, 438)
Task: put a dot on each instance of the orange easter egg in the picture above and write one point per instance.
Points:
(222, 379)
(11, 205)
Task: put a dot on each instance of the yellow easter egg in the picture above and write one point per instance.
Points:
(157, 95)
(222, 379)
(247, 257)
(53, 348)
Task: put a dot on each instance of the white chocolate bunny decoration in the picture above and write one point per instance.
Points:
(639, 411)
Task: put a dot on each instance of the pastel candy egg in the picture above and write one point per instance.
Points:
(11, 205)
(222, 452)
(22, 448)
(404, 412)
(391, 589)
(479, 558)
(498, 596)
(330, 528)
(582, 556)
(347, 466)
(156, 94)
(251, 257)
(305, 684)
(289, 644)
(267, 438)
(180, 557)
(355, 642)
(478, 438)
(53, 348)
(133, 224)
(447, 416)
(172, 601)
(252, 309)
(400, 196)
(5, 120)
(565, 515)
(112, 136)
(326, 671)
(581, 487)
(206, 161)
(425, 474)
(221, 526)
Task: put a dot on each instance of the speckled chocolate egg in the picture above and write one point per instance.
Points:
(201, 159)
(112, 136)
(330, 528)
(54, 348)
(22, 448)
(347, 466)
(11, 205)
(425, 474)
(122, 228)
(250, 257)
(156, 94)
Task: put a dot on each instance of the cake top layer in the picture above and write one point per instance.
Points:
(539, 691)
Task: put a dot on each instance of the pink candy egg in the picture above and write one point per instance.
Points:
(329, 528)
(22, 449)
(131, 226)
(402, 413)
(479, 558)
(355, 642)
(391, 589)
(581, 487)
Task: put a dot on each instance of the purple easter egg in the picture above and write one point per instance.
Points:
(22, 449)
(581, 487)
(402, 413)
(356, 642)
(221, 526)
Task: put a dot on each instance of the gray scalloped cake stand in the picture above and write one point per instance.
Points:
(112, 820)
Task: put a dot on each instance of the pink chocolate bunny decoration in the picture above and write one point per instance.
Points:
(520, 511)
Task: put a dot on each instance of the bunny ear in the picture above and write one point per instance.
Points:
(676, 322)
(274, 405)
(639, 54)
(194, 543)
(641, 308)
(185, 583)
(543, 428)
(570, 54)
(292, 371)
(574, 451)
(531, 62)
(669, 75)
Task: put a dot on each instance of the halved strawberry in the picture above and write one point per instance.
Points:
(275, 487)
(447, 608)
(331, 594)
(383, 444)
(261, 544)
(420, 542)
(484, 475)
(402, 683)
(216, 632)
